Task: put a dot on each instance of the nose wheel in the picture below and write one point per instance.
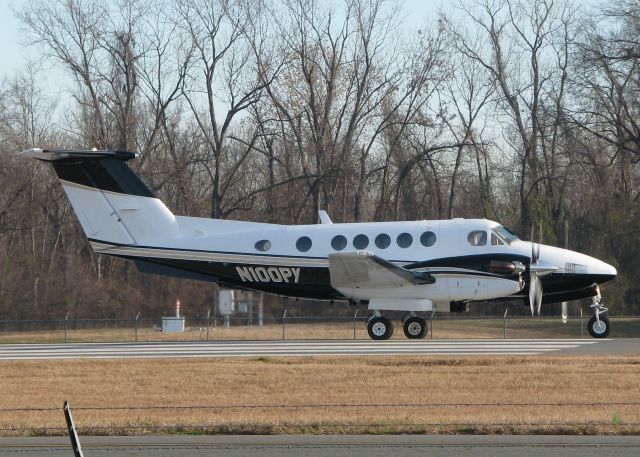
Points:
(599, 327)
(599, 324)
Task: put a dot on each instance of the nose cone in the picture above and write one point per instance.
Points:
(579, 263)
(604, 269)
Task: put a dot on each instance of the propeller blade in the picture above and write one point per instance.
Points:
(565, 312)
(535, 293)
(535, 247)
(534, 282)
(536, 271)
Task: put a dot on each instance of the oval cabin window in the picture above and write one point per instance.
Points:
(404, 240)
(428, 239)
(383, 241)
(360, 241)
(339, 242)
(263, 245)
(303, 244)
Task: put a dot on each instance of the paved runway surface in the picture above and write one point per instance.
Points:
(328, 446)
(316, 348)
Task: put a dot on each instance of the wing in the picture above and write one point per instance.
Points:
(365, 270)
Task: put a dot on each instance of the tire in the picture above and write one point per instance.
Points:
(379, 328)
(415, 327)
(601, 331)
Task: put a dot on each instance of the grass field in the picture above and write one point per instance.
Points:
(325, 395)
(442, 329)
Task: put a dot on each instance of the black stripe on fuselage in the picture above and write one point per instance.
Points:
(478, 262)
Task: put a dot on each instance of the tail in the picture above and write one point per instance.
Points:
(112, 203)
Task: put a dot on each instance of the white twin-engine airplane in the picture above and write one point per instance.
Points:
(413, 267)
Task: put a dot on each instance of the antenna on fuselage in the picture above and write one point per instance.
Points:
(324, 217)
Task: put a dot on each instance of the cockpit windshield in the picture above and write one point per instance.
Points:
(505, 234)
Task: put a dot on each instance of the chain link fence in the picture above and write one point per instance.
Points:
(198, 328)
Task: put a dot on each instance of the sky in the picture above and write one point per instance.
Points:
(12, 58)
(15, 56)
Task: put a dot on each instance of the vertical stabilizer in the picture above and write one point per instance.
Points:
(112, 203)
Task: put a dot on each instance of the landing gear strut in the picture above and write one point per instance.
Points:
(599, 324)
(379, 327)
(414, 327)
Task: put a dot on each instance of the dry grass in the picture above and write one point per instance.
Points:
(399, 381)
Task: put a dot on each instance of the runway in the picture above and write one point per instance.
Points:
(329, 446)
(317, 348)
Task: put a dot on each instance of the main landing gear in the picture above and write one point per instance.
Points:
(381, 328)
(599, 324)
(414, 327)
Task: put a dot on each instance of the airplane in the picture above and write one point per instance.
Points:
(411, 267)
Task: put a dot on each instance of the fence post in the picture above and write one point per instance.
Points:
(73, 433)
(136, 325)
(66, 319)
(505, 322)
(581, 325)
(284, 318)
(355, 316)
(208, 317)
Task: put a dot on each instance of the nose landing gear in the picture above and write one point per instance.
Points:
(599, 324)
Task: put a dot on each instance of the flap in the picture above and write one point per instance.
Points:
(364, 269)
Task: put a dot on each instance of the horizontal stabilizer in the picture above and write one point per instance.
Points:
(52, 155)
(366, 270)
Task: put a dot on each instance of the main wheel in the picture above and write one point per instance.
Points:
(379, 328)
(599, 329)
(415, 327)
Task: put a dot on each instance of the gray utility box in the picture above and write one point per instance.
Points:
(173, 325)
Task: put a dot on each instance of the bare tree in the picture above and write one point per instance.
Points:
(515, 40)
(223, 69)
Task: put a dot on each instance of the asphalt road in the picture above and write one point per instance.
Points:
(317, 348)
(328, 446)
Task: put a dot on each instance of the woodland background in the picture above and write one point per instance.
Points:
(523, 112)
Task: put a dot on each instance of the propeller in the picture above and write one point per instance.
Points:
(565, 312)
(537, 269)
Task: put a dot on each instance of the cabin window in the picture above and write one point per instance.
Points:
(404, 240)
(428, 239)
(360, 241)
(304, 244)
(263, 245)
(477, 238)
(495, 241)
(339, 242)
(383, 241)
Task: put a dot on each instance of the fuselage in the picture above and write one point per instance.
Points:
(292, 260)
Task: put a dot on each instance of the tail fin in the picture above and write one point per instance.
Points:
(112, 203)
